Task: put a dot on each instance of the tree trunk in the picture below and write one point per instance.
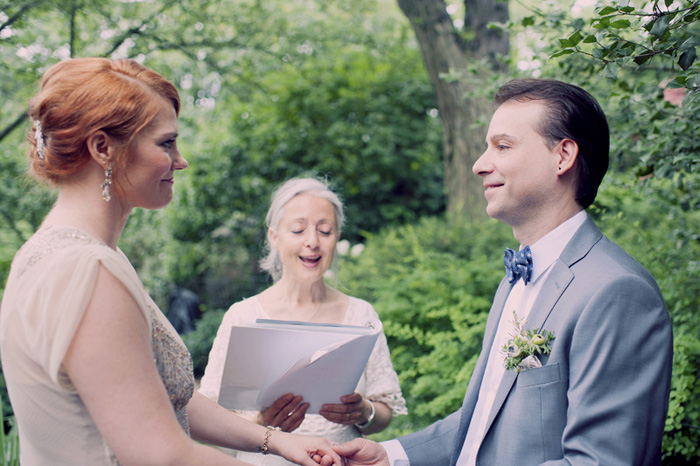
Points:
(445, 51)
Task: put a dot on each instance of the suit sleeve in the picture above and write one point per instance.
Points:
(434, 444)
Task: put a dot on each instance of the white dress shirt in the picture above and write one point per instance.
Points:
(544, 253)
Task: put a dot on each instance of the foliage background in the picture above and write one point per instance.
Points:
(277, 89)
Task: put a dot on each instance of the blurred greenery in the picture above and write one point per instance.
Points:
(640, 59)
(9, 444)
(276, 90)
(199, 340)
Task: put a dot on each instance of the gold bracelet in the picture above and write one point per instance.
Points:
(264, 449)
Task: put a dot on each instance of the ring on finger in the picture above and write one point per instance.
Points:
(290, 413)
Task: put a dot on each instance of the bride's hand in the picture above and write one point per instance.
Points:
(304, 449)
(287, 413)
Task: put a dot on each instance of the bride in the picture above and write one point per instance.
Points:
(95, 373)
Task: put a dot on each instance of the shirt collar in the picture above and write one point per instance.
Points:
(550, 246)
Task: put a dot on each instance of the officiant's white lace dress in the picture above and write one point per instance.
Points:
(51, 281)
(378, 382)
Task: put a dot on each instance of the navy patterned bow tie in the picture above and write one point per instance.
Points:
(518, 264)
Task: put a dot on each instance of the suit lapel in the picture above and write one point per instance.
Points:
(561, 276)
(474, 386)
(557, 281)
(499, 302)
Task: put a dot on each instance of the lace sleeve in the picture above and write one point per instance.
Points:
(382, 380)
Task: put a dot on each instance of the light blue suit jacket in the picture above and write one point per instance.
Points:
(600, 397)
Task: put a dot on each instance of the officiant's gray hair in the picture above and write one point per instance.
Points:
(291, 188)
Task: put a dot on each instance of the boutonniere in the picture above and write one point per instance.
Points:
(522, 349)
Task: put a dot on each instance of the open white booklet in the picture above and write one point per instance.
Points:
(267, 359)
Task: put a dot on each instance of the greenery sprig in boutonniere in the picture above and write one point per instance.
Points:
(522, 349)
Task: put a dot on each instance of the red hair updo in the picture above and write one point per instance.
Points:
(81, 96)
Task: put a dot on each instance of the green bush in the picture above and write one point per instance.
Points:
(681, 443)
(9, 442)
(199, 340)
(5, 402)
(432, 285)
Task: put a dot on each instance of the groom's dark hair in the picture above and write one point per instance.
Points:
(571, 113)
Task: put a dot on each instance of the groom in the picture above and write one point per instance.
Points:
(600, 396)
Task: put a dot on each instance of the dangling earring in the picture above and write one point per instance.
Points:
(106, 183)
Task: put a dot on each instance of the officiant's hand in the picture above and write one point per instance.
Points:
(287, 412)
(353, 410)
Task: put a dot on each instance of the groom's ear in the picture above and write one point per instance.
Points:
(567, 153)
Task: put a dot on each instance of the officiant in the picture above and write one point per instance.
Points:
(304, 223)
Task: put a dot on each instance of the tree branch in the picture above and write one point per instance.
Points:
(13, 226)
(12, 126)
(72, 32)
(18, 15)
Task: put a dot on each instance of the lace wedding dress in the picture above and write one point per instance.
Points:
(51, 280)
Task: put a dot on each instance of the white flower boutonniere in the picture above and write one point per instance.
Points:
(522, 349)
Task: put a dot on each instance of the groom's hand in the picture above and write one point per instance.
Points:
(362, 452)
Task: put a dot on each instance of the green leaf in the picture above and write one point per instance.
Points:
(575, 38)
(660, 25)
(679, 81)
(690, 43)
(620, 24)
(693, 83)
(590, 39)
(601, 23)
(528, 21)
(607, 11)
(610, 71)
(642, 59)
(676, 83)
(562, 53)
(687, 58)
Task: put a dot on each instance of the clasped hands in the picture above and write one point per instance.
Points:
(288, 412)
(357, 452)
(362, 452)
